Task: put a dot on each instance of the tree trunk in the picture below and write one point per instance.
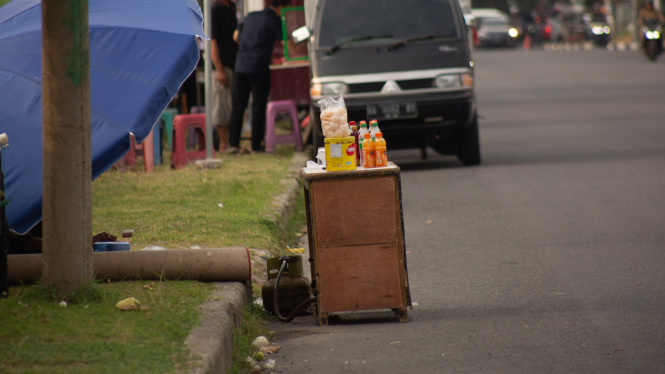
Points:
(67, 202)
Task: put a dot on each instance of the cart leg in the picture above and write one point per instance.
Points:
(323, 319)
(423, 153)
(401, 314)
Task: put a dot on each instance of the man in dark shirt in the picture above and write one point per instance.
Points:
(223, 50)
(256, 37)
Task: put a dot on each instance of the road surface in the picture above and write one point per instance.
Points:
(549, 257)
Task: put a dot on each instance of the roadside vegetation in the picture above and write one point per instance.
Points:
(167, 208)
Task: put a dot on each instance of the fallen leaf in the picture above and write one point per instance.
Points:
(149, 286)
(407, 252)
(428, 222)
(395, 342)
(143, 307)
(269, 350)
(639, 284)
(304, 230)
(300, 235)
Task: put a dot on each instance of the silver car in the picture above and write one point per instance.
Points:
(495, 30)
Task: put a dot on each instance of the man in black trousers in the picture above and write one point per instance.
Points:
(256, 36)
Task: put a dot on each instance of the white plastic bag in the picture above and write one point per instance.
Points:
(334, 119)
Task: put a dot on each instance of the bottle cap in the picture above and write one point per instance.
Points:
(374, 120)
(352, 123)
(354, 127)
(363, 124)
(367, 136)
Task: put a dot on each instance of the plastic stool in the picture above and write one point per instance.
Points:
(274, 108)
(148, 152)
(181, 124)
(157, 144)
(167, 118)
(191, 133)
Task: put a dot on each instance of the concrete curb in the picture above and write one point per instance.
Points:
(282, 206)
(211, 343)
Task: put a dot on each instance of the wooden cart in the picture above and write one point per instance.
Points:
(356, 240)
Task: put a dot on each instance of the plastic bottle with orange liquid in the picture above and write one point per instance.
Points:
(380, 148)
(368, 151)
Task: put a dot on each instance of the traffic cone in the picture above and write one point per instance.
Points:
(527, 42)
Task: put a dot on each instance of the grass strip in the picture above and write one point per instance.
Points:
(181, 208)
(91, 336)
(169, 208)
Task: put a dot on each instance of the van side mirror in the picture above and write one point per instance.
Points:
(469, 20)
(301, 34)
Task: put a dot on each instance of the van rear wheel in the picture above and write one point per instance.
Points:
(468, 151)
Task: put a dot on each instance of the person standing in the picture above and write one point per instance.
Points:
(223, 51)
(256, 36)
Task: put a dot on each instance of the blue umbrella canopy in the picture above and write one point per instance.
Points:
(140, 53)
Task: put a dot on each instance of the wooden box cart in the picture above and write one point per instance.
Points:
(356, 240)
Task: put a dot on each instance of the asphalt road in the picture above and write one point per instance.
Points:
(547, 258)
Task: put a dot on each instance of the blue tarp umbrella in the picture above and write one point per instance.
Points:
(140, 53)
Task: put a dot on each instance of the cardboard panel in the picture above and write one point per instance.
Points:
(359, 278)
(355, 211)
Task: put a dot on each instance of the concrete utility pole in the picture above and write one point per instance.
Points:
(207, 66)
(67, 201)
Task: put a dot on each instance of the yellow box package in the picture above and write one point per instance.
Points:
(340, 153)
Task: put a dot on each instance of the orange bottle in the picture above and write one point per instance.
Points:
(368, 151)
(380, 150)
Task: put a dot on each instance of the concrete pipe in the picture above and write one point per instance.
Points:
(212, 264)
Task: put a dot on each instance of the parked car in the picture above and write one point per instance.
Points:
(574, 26)
(406, 63)
(494, 28)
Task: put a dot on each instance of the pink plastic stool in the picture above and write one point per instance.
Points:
(191, 133)
(274, 108)
(182, 123)
(148, 154)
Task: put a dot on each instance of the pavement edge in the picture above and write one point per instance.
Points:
(211, 343)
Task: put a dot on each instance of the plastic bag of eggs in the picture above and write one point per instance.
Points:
(334, 123)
